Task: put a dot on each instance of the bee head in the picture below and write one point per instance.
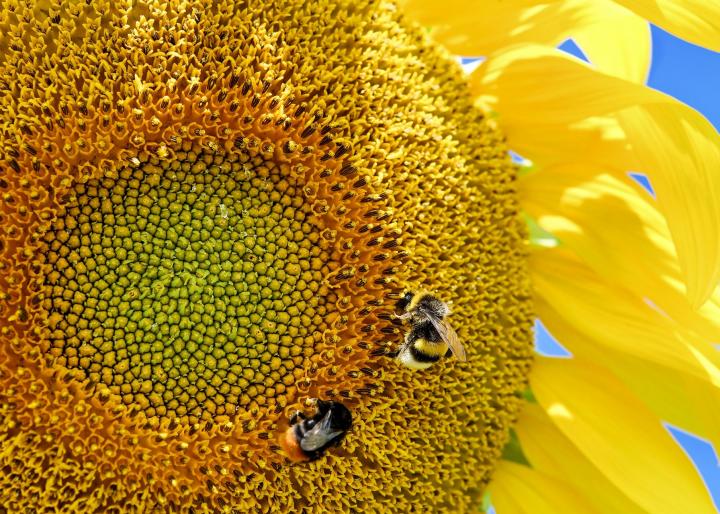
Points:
(432, 304)
(340, 417)
(403, 302)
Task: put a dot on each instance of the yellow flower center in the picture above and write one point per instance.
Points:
(208, 215)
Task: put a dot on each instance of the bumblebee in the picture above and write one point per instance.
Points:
(308, 439)
(429, 337)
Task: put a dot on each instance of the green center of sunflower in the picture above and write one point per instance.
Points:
(191, 287)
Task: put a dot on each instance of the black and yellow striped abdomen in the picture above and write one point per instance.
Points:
(423, 347)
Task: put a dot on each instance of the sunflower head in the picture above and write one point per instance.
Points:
(208, 215)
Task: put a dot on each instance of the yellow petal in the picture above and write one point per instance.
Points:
(615, 318)
(543, 96)
(517, 489)
(627, 53)
(667, 366)
(552, 454)
(475, 29)
(612, 225)
(619, 435)
(680, 399)
(711, 309)
(598, 141)
(676, 396)
(697, 21)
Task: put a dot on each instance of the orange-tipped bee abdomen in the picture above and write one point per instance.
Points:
(291, 445)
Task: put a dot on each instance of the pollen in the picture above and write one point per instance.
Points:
(207, 215)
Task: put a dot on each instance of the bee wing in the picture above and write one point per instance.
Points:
(448, 334)
(319, 435)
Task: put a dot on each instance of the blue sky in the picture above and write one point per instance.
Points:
(687, 72)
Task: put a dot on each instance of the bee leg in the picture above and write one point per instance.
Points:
(392, 353)
(295, 416)
(403, 317)
(404, 346)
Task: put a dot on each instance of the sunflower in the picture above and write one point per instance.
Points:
(211, 209)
